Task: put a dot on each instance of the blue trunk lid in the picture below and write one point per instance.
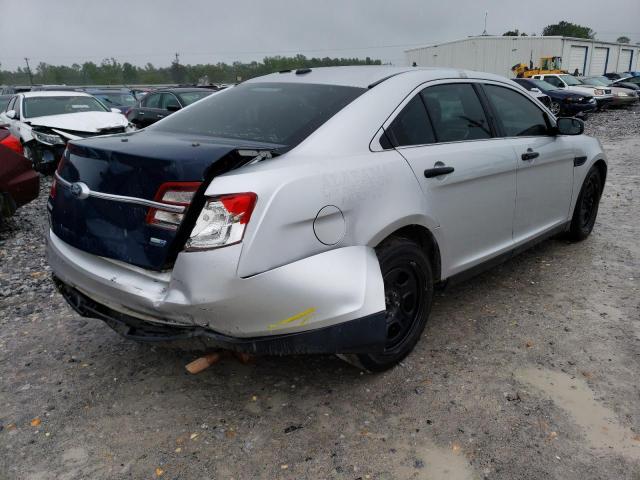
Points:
(132, 165)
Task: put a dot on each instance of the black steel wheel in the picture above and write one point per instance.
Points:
(408, 288)
(586, 209)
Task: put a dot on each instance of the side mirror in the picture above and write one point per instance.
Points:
(116, 110)
(173, 108)
(569, 126)
(11, 114)
(536, 89)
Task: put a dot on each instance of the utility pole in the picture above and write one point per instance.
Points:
(484, 33)
(29, 71)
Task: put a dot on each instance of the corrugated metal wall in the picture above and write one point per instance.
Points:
(499, 54)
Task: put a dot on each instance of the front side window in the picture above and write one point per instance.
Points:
(517, 115)
(152, 101)
(411, 126)
(45, 106)
(11, 104)
(456, 112)
(169, 100)
(278, 113)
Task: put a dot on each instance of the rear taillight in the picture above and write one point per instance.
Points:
(172, 193)
(222, 221)
(12, 143)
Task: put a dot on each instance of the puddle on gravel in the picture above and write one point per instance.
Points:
(427, 461)
(443, 464)
(599, 423)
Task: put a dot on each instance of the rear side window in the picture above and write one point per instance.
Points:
(411, 126)
(278, 113)
(456, 112)
(517, 115)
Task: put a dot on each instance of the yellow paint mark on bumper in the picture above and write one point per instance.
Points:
(299, 319)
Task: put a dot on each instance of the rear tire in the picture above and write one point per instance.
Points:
(586, 209)
(408, 288)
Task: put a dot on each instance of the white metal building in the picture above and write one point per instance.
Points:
(499, 54)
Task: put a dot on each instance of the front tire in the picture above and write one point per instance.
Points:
(586, 209)
(555, 108)
(408, 288)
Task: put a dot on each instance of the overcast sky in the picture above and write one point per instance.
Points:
(141, 31)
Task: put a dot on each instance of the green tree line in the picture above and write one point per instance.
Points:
(112, 72)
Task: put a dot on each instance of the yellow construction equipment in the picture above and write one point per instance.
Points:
(548, 65)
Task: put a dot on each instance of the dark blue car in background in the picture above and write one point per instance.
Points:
(120, 98)
(563, 102)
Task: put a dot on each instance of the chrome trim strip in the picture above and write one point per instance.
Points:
(124, 199)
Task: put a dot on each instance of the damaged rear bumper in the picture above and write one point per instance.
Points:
(331, 302)
(362, 335)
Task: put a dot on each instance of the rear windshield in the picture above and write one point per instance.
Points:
(281, 113)
(43, 106)
(189, 97)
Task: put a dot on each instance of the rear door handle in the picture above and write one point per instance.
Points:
(437, 171)
(529, 155)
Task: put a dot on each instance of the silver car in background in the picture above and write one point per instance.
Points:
(314, 211)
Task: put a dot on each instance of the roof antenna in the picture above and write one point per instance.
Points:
(484, 33)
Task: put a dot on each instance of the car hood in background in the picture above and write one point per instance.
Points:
(90, 122)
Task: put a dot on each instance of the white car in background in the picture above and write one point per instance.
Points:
(603, 95)
(45, 121)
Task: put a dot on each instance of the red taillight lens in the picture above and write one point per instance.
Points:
(54, 189)
(12, 143)
(172, 193)
(240, 205)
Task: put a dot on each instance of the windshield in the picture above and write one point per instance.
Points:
(604, 81)
(117, 99)
(542, 85)
(281, 113)
(570, 80)
(189, 97)
(44, 106)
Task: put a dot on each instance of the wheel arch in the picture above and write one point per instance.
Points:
(601, 165)
(423, 237)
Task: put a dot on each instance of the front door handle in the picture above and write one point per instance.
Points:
(437, 171)
(529, 155)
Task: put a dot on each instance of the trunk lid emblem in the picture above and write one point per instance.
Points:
(80, 190)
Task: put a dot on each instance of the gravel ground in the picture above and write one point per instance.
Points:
(529, 371)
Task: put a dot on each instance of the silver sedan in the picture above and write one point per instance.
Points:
(315, 210)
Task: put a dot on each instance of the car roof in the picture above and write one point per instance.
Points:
(54, 93)
(182, 89)
(365, 76)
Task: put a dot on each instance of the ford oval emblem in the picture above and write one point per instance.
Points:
(80, 190)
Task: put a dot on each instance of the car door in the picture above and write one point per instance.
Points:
(149, 108)
(466, 175)
(544, 176)
(169, 103)
(13, 124)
